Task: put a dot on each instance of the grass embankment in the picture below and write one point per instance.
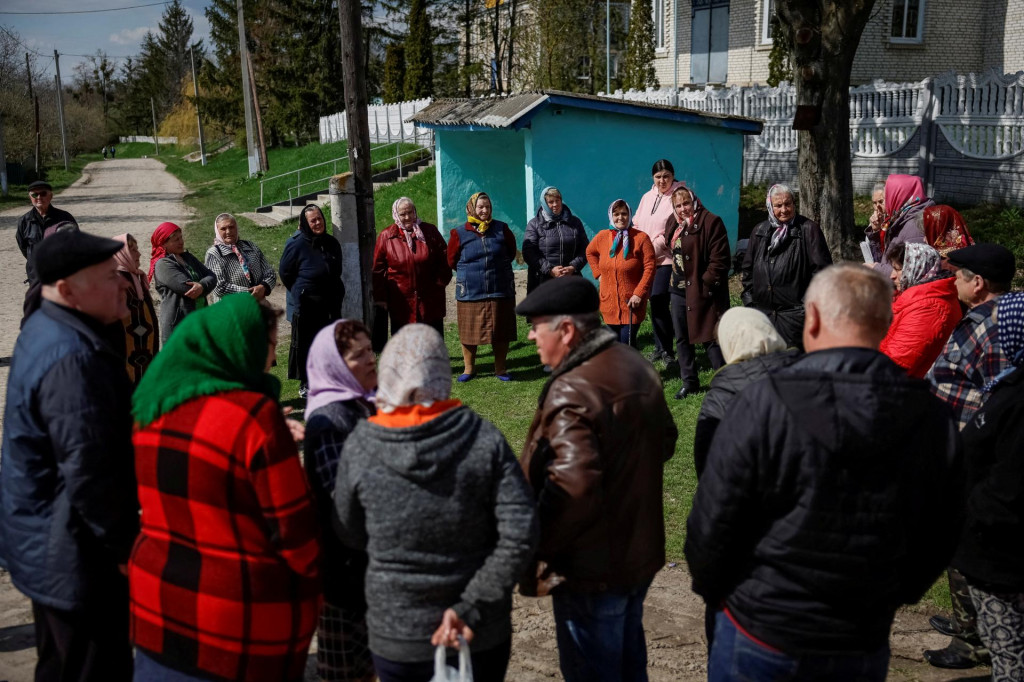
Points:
(60, 179)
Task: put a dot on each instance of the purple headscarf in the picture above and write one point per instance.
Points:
(330, 379)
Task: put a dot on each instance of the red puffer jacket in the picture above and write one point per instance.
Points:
(411, 285)
(923, 317)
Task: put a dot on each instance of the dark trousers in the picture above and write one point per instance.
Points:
(685, 349)
(626, 332)
(90, 645)
(488, 666)
(968, 643)
(305, 325)
(661, 316)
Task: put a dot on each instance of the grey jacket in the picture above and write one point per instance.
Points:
(171, 279)
(448, 521)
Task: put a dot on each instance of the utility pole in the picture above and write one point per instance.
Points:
(3, 160)
(156, 140)
(608, 47)
(32, 98)
(199, 118)
(243, 56)
(351, 20)
(261, 142)
(60, 109)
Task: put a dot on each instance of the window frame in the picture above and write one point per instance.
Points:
(919, 37)
(659, 25)
(766, 22)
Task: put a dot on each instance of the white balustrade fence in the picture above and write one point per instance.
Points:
(386, 122)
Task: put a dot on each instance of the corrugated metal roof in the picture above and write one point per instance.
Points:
(515, 111)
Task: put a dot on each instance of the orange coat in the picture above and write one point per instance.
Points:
(620, 278)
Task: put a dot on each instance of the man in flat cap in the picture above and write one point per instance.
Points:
(594, 457)
(39, 223)
(68, 502)
(972, 358)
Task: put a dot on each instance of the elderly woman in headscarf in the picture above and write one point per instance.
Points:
(622, 260)
(141, 328)
(905, 203)
(784, 253)
(555, 243)
(481, 253)
(410, 270)
(945, 229)
(228, 525)
(990, 554)
(439, 502)
(699, 285)
(182, 281)
(925, 311)
(239, 265)
(342, 371)
(310, 269)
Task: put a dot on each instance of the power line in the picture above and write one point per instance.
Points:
(18, 40)
(94, 11)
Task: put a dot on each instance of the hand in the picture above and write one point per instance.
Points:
(448, 631)
(875, 221)
(635, 301)
(558, 271)
(195, 291)
(568, 270)
(123, 569)
(297, 428)
(259, 292)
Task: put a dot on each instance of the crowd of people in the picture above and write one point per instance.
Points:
(169, 521)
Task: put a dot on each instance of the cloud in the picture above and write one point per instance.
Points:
(129, 36)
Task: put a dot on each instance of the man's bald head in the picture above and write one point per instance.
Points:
(847, 305)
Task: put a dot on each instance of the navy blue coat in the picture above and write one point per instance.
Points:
(482, 262)
(550, 243)
(310, 269)
(69, 509)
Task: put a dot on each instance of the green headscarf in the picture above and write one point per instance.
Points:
(216, 349)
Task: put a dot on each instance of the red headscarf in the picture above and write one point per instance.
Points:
(160, 235)
(903, 194)
(945, 229)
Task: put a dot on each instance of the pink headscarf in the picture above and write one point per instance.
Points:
(125, 263)
(412, 231)
(160, 235)
(903, 194)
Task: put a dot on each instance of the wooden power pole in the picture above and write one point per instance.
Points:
(350, 18)
(60, 109)
(243, 52)
(32, 98)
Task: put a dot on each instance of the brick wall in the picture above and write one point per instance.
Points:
(1004, 46)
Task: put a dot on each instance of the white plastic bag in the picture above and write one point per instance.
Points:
(444, 672)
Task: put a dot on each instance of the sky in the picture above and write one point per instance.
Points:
(75, 36)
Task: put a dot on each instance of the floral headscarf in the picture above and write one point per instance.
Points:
(125, 263)
(1010, 320)
(781, 230)
(945, 229)
(746, 333)
(330, 379)
(412, 232)
(414, 369)
(921, 264)
(473, 219)
(621, 236)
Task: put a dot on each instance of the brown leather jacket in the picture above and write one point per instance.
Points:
(594, 457)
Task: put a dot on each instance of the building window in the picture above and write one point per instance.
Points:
(659, 24)
(907, 21)
(768, 19)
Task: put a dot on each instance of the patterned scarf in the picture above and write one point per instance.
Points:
(621, 235)
(945, 229)
(125, 263)
(1010, 320)
(414, 369)
(242, 260)
(680, 226)
(781, 229)
(412, 232)
(160, 235)
(921, 264)
(471, 217)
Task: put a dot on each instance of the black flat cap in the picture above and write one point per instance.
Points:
(991, 261)
(571, 295)
(40, 184)
(65, 253)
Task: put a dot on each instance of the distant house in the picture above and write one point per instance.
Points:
(729, 41)
(594, 150)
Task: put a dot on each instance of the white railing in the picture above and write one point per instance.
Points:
(982, 116)
(387, 124)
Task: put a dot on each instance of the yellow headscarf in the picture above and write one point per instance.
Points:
(479, 225)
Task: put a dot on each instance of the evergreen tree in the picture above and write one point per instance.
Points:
(639, 68)
(780, 68)
(569, 58)
(392, 86)
(419, 53)
(174, 40)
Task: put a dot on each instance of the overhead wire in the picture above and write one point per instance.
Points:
(91, 11)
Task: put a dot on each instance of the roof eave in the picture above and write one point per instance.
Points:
(746, 127)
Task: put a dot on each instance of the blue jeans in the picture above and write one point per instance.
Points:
(734, 656)
(601, 635)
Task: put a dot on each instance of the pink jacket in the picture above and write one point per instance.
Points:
(653, 216)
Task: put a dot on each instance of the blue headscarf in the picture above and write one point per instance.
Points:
(1010, 318)
(548, 215)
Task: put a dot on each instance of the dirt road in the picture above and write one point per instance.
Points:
(136, 195)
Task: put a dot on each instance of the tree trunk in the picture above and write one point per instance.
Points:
(496, 40)
(465, 60)
(510, 50)
(825, 35)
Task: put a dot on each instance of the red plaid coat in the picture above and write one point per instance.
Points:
(224, 576)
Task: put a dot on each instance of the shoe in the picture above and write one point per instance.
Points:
(463, 378)
(656, 356)
(950, 659)
(944, 625)
(504, 377)
(303, 391)
(685, 391)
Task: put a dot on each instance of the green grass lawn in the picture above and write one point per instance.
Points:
(60, 179)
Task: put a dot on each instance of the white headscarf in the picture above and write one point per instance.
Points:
(745, 333)
(414, 369)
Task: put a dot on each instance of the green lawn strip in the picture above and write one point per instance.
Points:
(60, 179)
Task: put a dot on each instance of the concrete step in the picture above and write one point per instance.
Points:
(282, 213)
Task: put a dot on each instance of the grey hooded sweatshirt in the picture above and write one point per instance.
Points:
(448, 521)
